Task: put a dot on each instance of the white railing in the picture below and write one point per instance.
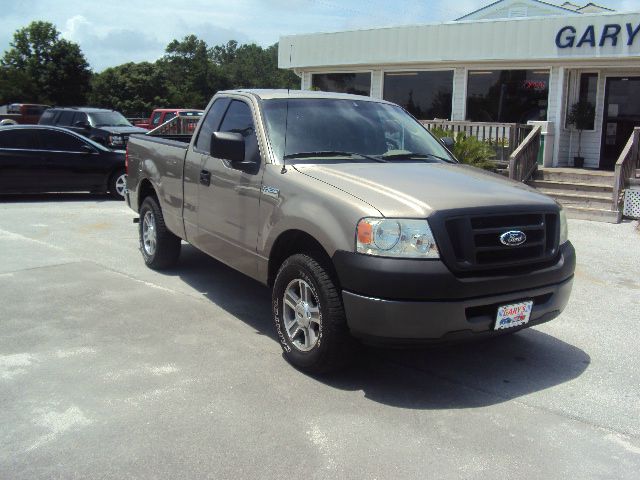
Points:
(625, 167)
(504, 137)
(523, 162)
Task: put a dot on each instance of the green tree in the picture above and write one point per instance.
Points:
(191, 75)
(134, 89)
(468, 149)
(49, 69)
(251, 66)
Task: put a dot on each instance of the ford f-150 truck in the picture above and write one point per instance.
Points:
(362, 223)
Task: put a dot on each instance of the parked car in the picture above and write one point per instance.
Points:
(51, 159)
(22, 113)
(162, 115)
(106, 127)
(360, 232)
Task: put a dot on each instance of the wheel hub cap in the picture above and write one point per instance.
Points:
(301, 315)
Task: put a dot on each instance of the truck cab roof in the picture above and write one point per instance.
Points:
(270, 94)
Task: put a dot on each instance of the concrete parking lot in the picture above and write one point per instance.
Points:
(110, 370)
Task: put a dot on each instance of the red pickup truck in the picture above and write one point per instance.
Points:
(162, 115)
(22, 113)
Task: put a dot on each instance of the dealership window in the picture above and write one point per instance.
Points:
(356, 83)
(426, 95)
(587, 92)
(509, 96)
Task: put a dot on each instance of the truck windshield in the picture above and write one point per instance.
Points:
(318, 128)
(109, 119)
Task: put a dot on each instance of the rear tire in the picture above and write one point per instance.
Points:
(118, 184)
(309, 317)
(159, 247)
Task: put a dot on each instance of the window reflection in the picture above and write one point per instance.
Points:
(510, 96)
(355, 83)
(426, 95)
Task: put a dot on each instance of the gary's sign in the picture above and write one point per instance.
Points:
(611, 34)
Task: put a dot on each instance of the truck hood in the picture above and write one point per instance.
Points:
(419, 189)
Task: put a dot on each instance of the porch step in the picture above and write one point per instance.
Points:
(589, 200)
(572, 187)
(594, 214)
(584, 194)
(575, 175)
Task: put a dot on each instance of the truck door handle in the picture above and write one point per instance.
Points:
(205, 178)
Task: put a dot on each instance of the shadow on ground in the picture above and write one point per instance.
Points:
(55, 197)
(462, 376)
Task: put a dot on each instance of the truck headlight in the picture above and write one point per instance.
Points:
(116, 140)
(395, 237)
(564, 228)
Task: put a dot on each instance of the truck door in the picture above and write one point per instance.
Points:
(228, 198)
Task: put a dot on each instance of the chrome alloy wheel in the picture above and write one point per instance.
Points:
(149, 235)
(301, 315)
(121, 185)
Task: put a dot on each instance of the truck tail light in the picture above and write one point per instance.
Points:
(126, 161)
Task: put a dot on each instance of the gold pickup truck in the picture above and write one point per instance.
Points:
(363, 224)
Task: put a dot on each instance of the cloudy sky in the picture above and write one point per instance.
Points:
(112, 32)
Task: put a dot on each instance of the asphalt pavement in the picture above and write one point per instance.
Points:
(110, 370)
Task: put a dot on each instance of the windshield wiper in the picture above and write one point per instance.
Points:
(330, 153)
(414, 155)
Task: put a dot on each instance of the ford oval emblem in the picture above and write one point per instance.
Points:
(513, 238)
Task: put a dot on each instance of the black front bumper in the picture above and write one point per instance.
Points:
(397, 300)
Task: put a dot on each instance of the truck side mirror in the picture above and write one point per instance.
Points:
(229, 146)
(82, 124)
(448, 142)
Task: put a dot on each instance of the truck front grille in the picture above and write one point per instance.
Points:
(476, 246)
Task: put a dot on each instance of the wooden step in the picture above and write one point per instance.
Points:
(575, 175)
(594, 214)
(572, 187)
(590, 200)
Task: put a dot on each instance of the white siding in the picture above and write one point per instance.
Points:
(506, 9)
(376, 83)
(509, 12)
(458, 108)
(499, 40)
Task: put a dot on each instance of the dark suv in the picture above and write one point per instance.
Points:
(106, 127)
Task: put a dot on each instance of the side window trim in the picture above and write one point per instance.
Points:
(228, 100)
(253, 118)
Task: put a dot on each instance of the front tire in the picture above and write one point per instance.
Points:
(159, 247)
(118, 184)
(309, 316)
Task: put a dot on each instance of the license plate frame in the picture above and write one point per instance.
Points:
(513, 315)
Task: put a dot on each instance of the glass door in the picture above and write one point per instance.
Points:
(621, 115)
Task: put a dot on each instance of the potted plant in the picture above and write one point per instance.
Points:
(581, 116)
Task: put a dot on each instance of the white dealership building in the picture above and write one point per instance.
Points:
(513, 61)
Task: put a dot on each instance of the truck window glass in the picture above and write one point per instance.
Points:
(239, 119)
(210, 124)
(80, 117)
(66, 117)
(364, 127)
(47, 117)
(156, 118)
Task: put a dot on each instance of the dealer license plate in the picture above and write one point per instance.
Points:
(513, 315)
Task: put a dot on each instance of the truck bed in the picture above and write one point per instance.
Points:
(164, 157)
